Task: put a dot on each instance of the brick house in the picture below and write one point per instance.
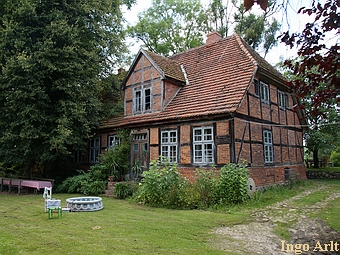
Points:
(211, 105)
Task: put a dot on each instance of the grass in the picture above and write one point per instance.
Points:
(120, 228)
(126, 228)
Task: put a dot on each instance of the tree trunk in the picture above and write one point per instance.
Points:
(316, 158)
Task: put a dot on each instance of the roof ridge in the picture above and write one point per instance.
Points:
(244, 49)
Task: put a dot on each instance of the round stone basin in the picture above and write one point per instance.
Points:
(84, 204)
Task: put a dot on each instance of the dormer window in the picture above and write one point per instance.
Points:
(142, 99)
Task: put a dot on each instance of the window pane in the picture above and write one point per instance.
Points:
(164, 137)
(208, 151)
(197, 135)
(147, 99)
(173, 154)
(173, 137)
(198, 153)
(208, 134)
(138, 101)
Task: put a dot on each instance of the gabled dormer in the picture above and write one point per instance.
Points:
(151, 83)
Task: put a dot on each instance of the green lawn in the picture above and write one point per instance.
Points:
(120, 228)
(126, 228)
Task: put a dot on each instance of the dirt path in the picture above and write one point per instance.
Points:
(258, 236)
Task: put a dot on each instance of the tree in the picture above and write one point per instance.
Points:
(171, 26)
(256, 30)
(53, 56)
(316, 53)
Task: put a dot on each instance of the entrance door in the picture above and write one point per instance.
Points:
(140, 153)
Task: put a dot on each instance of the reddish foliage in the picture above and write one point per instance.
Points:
(249, 3)
(315, 54)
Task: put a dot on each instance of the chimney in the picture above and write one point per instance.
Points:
(213, 37)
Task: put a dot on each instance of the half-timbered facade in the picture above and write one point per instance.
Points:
(211, 105)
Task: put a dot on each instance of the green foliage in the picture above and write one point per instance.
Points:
(256, 30)
(172, 26)
(232, 186)
(335, 157)
(124, 190)
(113, 163)
(163, 185)
(53, 56)
(86, 183)
(137, 169)
(205, 185)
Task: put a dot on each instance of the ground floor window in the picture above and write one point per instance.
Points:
(94, 150)
(268, 146)
(113, 140)
(203, 145)
(169, 145)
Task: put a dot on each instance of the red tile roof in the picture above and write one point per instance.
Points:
(219, 75)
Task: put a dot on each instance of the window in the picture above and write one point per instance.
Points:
(282, 99)
(94, 150)
(78, 156)
(264, 92)
(203, 145)
(113, 140)
(257, 87)
(169, 145)
(142, 99)
(268, 146)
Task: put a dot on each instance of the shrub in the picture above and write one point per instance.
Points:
(232, 186)
(124, 190)
(335, 157)
(73, 184)
(162, 185)
(205, 184)
(113, 163)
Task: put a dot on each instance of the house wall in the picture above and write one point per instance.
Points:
(255, 116)
(145, 74)
(240, 139)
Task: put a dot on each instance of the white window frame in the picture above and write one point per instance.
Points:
(264, 92)
(203, 145)
(113, 140)
(282, 99)
(268, 147)
(169, 145)
(142, 99)
(94, 151)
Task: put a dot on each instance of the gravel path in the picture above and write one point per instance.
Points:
(258, 236)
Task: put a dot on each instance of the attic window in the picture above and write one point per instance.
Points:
(142, 99)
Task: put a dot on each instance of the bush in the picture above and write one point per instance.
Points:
(113, 163)
(335, 157)
(124, 190)
(204, 185)
(87, 183)
(232, 186)
(73, 184)
(162, 185)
